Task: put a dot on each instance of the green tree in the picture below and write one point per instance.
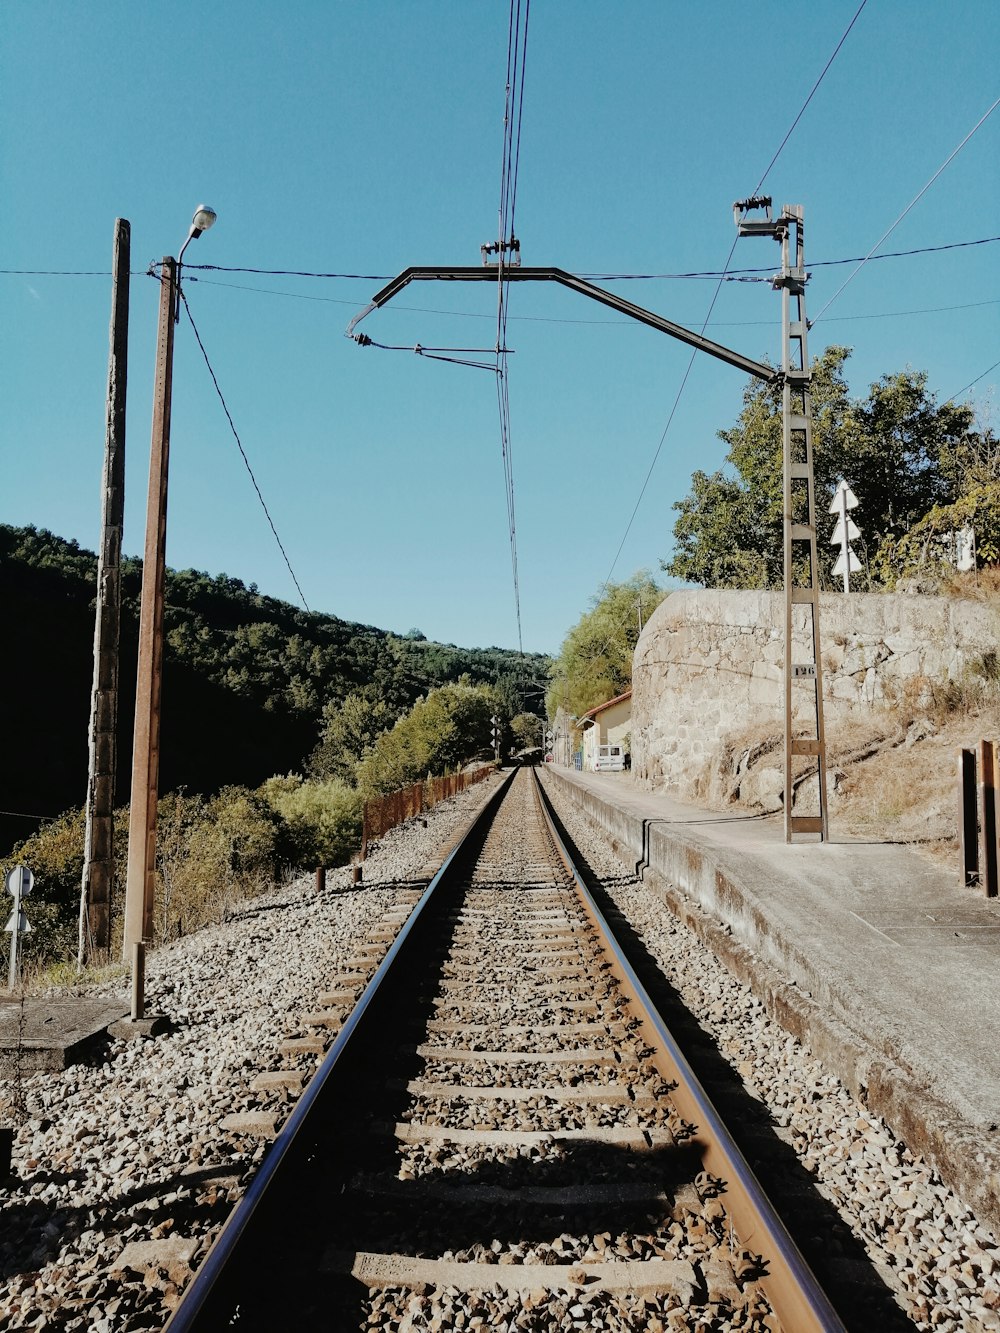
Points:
(595, 661)
(350, 728)
(527, 730)
(439, 733)
(322, 820)
(900, 452)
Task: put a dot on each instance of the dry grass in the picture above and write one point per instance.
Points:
(892, 775)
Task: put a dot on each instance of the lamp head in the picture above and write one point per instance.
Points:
(204, 217)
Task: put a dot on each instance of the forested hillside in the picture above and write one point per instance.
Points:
(245, 676)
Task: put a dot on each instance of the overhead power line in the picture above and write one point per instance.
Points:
(715, 296)
(517, 47)
(971, 383)
(730, 275)
(239, 445)
(916, 198)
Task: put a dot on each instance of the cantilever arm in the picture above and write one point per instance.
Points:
(489, 274)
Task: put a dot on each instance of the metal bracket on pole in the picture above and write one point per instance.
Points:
(797, 434)
(564, 279)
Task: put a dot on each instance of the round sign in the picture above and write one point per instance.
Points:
(19, 881)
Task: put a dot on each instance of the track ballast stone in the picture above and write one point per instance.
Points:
(942, 1265)
(131, 1150)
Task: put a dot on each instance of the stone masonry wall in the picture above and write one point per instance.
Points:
(708, 669)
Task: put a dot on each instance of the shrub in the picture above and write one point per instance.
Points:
(322, 819)
(55, 857)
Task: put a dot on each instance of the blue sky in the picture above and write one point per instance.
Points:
(366, 137)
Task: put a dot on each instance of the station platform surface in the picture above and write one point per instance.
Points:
(884, 964)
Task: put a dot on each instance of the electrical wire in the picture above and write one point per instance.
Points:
(971, 383)
(553, 319)
(730, 275)
(431, 353)
(239, 445)
(916, 198)
(715, 296)
(517, 44)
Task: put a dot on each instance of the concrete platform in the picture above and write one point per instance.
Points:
(880, 962)
(52, 1034)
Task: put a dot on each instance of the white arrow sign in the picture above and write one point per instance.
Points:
(838, 533)
(854, 564)
(849, 501)
(19, 922)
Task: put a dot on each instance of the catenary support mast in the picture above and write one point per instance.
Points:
(801, 571)
(804, 731)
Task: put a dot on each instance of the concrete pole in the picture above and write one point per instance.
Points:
(98, 855)
(146, 742)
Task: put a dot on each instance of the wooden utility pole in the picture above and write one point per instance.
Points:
(98, 856)
(146, 741)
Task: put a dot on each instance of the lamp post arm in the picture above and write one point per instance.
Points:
(480, 273)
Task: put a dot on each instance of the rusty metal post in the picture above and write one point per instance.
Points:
(968, 843)
(320, 878)
(98, 854)
(146, 742)
(987, 818)
(356, 873)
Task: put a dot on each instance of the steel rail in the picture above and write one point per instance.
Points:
(796, 1297)
(201, 1306)
(229, 1281)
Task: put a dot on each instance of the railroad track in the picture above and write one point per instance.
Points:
(503, 1136)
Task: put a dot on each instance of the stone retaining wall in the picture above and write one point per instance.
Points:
(708, 669)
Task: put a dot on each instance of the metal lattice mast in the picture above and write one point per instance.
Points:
(801, 570)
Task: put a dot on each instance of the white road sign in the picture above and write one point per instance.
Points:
(854, 562)
(838, 533)
(850, 500)
(20, 882)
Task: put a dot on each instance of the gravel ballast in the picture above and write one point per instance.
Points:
(941, 1264)
(124, 1169)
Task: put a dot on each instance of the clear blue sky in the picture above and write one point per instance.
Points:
(366, 137)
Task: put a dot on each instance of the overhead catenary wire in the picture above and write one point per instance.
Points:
(239, 445)
(715, 296)
(562, 319)
(916, 198)
(517, 42)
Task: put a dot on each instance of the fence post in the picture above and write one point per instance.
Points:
(968, 832)
(987, 819)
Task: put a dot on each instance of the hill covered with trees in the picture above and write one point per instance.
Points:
(246, 677)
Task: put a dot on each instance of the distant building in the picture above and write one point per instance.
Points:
(607, 733)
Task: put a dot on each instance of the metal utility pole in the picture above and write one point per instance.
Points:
(146, 742)
(98, 855)
(801, 567)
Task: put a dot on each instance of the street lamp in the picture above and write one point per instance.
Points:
(204, 217)
(146, 739)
